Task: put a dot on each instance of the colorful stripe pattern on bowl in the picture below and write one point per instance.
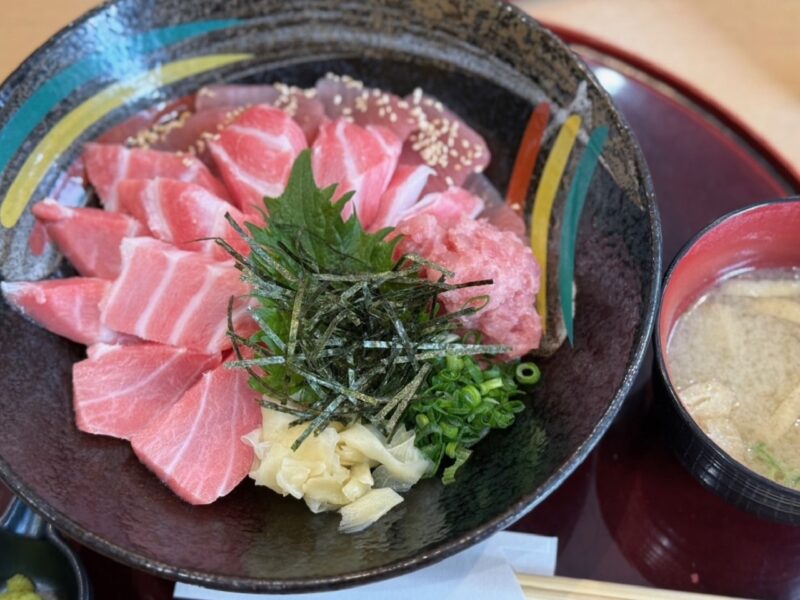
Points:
(134, 82)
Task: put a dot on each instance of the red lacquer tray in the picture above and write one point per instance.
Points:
(631, 513)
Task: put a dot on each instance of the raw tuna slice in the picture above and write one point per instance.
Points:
(305, 109)
(231, 96)
(66, 307)
(403, 192)
(444, 142)
(118, 390)
(505, 218)
(361, 159)
(182, 214)
(191, 134)
(174, 297)
(346, 97)
(88, 237)
(476, 250)
(448, 207)
(107, 165)
(255, 154)
(131, 130)
(300, 104)
(196, 446)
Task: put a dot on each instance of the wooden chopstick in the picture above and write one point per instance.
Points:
(564, 588)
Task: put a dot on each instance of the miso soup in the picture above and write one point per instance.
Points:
(734, 359)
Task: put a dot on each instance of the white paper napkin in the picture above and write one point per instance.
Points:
(483, 571)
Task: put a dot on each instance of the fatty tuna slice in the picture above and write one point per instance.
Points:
(67, 307)
(183, 214)
(107, 165)
(173, 296)
(255, 154)
(403, 192)
(191, 134)
(505, 218)
(118, 390)
(448, 207)
(444, 142)
(196, 447)
(302, 105)
(343, 96)
(232, 96)
(88, 237)
(358, 159)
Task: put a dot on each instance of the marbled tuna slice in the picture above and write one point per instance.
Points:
(444, 142)
(255, 154)
(183, 214)
(402, 194)
(118, 390)
(108, 164)
(505, 218)
(346, 97)
(88, 237)
(448, 207)
(302, 105)
(174, 297)
(358, 159)
(196, 448)
(192, 133)
(67, 307)
(232, 96)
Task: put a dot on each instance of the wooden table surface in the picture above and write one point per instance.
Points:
(743, 53)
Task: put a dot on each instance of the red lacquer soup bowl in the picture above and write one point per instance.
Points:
(763, 235)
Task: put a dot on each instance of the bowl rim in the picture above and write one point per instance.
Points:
(446, 548)
(760, 480)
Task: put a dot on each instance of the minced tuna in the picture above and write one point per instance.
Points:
(475, 250)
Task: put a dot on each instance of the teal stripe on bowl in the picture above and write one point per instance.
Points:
(572, 216)
(114, 59)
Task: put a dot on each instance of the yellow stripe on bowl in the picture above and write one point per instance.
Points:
(67, 130)
(545, 198)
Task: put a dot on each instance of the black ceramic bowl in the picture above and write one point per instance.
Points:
(491, 64)
(763, 235)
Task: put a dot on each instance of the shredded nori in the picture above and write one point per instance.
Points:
(345, 329)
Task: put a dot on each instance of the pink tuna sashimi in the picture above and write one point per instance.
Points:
(444, 142)
(107, 165)
(361, 159)
(183, 214)
(300, 104)
(505, 218)
(196, 446)
(88, 237)
(448, 207)
(130, 130)
(174, 297)
(255, 154)
(476, 250)
(346, 97)
(118, 390)
(191, 133)
(403, 192)
(67, 307)
(303, 107)
(232, 96)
